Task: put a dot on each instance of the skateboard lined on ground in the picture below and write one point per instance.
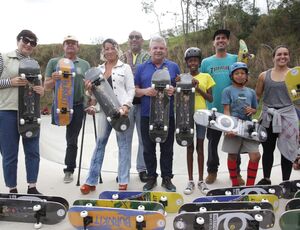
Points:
(170, 200)
(290, 220)
(243, 54)
(107, 99)
(290, 187)
(220, 220)
(293, 204)
(220, 206)
(31, 211)
(245, 190)
(185, 103)
(159, 106)
(93, 218)
(273, 199)
(126, 204)
(64, 93)
(251, 130)
(29, 116)
(292, 82)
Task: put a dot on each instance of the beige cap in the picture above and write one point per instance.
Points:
(70, 38)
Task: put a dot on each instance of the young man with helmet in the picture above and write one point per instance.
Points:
(240, 101)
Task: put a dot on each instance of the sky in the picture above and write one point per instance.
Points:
(88, 20)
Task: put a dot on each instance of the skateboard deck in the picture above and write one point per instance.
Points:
(64, 92)
(290, 220)
(93, 218)
(220, 220)
(29, 116)
(220, 206)
(273, 199)
(185, 103)
(170, 200)
(107, 99)
(290, 187)
(245, 190)
(31, 211)
(159, 106)
(292, 82)
(126, 204)
(293, 204)
(246, 129)
(243, 54)
(35, 197)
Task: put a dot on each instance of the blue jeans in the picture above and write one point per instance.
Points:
(166, 150)
(98, 155)
(135, 119)
(9, 148)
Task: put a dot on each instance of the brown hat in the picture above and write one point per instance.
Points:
(70, 38)
(222, 31)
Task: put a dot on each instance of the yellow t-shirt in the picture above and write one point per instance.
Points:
(205, 82)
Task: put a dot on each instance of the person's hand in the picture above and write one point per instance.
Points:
(170, 91)
(56, 76)
(39, 90)
(178, 78)
(88, 85)
(230, 134)
(18, 81)
(151, 92)
(124, 110)
(249, 111)
(195, 83)
(91, 110)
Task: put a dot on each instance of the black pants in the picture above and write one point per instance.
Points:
(268, 157)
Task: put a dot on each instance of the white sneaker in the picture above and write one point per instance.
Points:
(189, 188)
(202, 187)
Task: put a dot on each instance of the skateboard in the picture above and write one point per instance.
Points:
(243, 54)
(32, 211)
(290, 187)
(251, 130)
(220, 206)
(292, 82)
(126, 204)
(29, 116)
(273, 199)
(64, 92)
(219, 220)
(159, 106)
(292, 204)
(170, 200)
(107, 99)
(93, 218)
(290, 220)
(185, 103)
(245, 190)
(35, 197)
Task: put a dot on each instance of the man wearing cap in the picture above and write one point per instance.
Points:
(9, 135)
(217, 66)
(71, 48)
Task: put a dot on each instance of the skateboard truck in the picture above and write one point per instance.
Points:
(212, 118)
(39, 211)
(294, 92)
(252, 129)
(164, 200)
(66, 74)
(199, 223)
(87, 220)
(140, 222)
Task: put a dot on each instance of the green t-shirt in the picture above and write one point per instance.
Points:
(81, 66)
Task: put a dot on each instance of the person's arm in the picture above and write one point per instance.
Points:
(50, 76)
(259, 89)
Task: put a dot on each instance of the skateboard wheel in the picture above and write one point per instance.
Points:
(89, 205)
(272, 190)
(254, 134)
(37, 225)
(192, 131)
(294, 92)
(39, 120)
(57, 110)
(37, 208)
(23, 76)
(228, 193)
(256, 207)
(140, 218)
(115, 196)
(298, 184)
(200, 220)
(258, 217)
(153, 86)
(151, 127)
(71, 111)
(40, 76)
(212, 122)
(165, 128)
(214, 201)
(178, 90)
(193, 90)
(167, 86)
(84, 214)
(202, 209)
(180, 224)
(60, 72)
(108, 119)
(163, 198)
(264, 200)
(141, 207)
(22, 121)
(73, 74)
(214, 109)
(254, 120)
(177, 130)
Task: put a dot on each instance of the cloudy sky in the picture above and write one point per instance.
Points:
(88, 20)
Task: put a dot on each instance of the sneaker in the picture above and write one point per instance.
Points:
(143, 176)
(211, 178)
(151, 183)
(189, 188)
(14, 190)
(264, 181)
(86, 189)
(202, 187)
(167, 184)
(122, 187)
(33, 190)
(68, 177)
(241, 181)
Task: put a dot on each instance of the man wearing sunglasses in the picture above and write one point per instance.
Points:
(71, 49)
(134, 56)
(9, 135)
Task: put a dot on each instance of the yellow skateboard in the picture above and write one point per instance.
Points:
(244, 55)
(292, 82)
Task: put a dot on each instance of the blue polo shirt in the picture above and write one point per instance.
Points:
(143, 76)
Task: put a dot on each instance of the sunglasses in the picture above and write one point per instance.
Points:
(137, 37)
(27, 40)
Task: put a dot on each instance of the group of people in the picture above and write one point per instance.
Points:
(220, 82)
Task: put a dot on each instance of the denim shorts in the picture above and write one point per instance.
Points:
(200, 130)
